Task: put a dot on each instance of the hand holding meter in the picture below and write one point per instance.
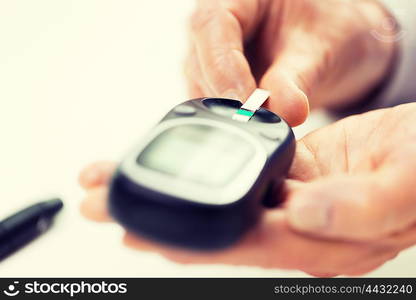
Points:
(200, 178)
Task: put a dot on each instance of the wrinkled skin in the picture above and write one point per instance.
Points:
(306, 52)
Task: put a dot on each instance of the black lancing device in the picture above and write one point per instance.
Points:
(24, 226)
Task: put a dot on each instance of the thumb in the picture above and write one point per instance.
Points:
(286, 97)
(362, 207)
(294, 75)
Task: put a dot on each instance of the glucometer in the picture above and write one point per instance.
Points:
(202, 176)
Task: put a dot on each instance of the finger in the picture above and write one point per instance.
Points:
(286, 96)
(94, 206)
(305, 166)
(95, 174)
(219, 36)
(362, 261)
(194, 87)
(360, 207)
(272, 245)
(323, 258)
(295, 75)
(370, 265)
(233, 256)
(194, 77)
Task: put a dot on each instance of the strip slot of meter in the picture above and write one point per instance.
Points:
(253, 103)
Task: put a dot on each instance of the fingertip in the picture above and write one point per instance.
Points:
(294, 108)
(287, 99)
(94, 206)
(95, 174)
(133, 241)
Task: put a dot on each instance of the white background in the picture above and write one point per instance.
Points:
(81, 81)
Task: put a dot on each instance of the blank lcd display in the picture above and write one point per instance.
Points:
(198, 153)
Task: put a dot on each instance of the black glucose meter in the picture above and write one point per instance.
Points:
(200, 178)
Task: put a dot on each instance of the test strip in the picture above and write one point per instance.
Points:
(253, 103)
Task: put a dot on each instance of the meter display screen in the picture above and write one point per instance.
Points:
(198, 153)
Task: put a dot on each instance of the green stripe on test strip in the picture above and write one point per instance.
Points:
(245, 112)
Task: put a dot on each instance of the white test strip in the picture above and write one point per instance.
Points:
(253, 103)
(256, 100)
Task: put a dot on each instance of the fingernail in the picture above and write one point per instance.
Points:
(310, 215)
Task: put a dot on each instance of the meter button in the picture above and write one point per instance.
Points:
(274, 135)
(223, 107)
(184, 110)
(265, 116)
